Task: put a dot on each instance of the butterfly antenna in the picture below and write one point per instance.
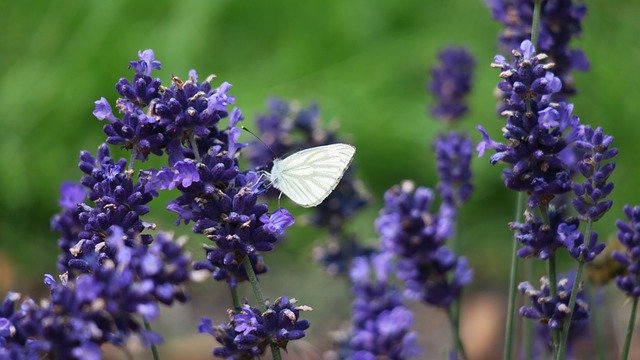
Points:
(263, 143)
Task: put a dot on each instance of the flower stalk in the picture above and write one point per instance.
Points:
(257, 291)
(508, 344)
(630, 326)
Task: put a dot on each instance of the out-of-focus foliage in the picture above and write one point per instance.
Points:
(365, 62)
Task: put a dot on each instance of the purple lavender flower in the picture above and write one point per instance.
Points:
(67, 222)
(236, 222)
(561, 20)
(381, 323)
(101, 305)
(552, 311)
(249, 331)
(591, 196)
(409, 230)
(578, 330)
(118, 201)
(451, 82)
(453, 160)
(629, 237)
(155, 119)
(538, 132)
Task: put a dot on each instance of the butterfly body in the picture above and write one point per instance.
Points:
(308, 176)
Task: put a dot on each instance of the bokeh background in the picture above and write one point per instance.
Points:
(365, 63)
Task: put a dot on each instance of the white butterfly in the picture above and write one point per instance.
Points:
(309, 176)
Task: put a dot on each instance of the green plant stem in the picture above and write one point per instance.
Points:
(630, 326)
(194, 146)
(508, 343)
(154, 348)
(595, 323)
(535, 26)
(552, 275)
(455, 332)
(562, 349)
(257, 291)
(234, 296)
(527, 326)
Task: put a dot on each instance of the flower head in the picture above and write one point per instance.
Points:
(451, 82)
(381, 323)
(629, 237)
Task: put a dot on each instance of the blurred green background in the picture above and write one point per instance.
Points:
(365, 62)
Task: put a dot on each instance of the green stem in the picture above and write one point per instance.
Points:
(527, 331)
(630, 326)
(601, 343)
(257, 291)
(154, 349)
(508, 343)
(552, 275)
(234, 296)
(535, 26)
(572, 302)
(194, 146)
(455, 332)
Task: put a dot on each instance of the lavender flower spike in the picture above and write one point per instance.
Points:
(538, 132)
(451, 82)
(629, 237)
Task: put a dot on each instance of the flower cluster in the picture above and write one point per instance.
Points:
(451, 82)
(67, 222)
(381, 323)
(551, 311)
(539, 133)
(578, 330)
(629, 237)
(453, 162)
(98, 306)
(591, 196)
(250, 331)
(286, 128)
(561, 20)
(117, 199)
(416, 236)
(155, 118)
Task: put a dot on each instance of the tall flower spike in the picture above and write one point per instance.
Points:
(552, 311)
(451, 82)
(591, 196)
(539, 133)
(560, 22)
(249, 331)
(381, 323)
(453, 160)
(629, 237)
(409, 230)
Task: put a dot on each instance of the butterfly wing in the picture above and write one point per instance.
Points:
(309, 176)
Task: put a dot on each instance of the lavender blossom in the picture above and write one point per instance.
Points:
(539, 133)
(249, 331)
(157, 119)
(101, 305)
(552, 311)
(561, 20)
(409, 230)
(451, 82)
(118, 200)
(629, 237)
(543, 342)
(453, 159)
(381, 323)
(591, 196)
(67, 222)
